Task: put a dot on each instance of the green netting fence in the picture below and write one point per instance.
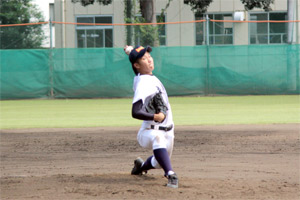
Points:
(184, 70)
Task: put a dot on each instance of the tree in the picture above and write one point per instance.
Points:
(146, 6)
(148, 10)
(265, 4)
(88, 2)
(148, 33)
(199, 7)
(20, 37)
(128, 17)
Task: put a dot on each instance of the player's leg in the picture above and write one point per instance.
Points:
(144, 137)
(147, 165)
(162, 153)
(162, 150)
(172, 178)
(154, 139)
(162, 145)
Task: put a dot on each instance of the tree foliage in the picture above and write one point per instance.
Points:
(265, 4)
(128, 16)
(148, 34)
(20, 37)
(199, 7)
(88, 2)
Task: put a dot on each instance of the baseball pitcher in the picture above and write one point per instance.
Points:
(151, 104)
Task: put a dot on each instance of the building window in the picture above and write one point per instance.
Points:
(161, 32)
(94, 36)
(268, 33)
(220, 33)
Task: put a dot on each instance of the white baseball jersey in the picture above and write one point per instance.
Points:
(148, 85)
(143, 87)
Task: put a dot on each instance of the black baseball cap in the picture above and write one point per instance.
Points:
(136, 53)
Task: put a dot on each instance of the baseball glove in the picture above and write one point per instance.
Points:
(156, 105)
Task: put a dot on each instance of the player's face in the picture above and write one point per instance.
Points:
(145, 64)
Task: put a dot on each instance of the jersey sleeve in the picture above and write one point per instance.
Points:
(139, 113)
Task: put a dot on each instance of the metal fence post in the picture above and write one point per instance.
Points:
(207, 82)
(51, 61)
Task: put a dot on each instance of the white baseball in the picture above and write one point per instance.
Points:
(128, 50)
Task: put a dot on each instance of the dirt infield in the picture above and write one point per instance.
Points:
(212, 162)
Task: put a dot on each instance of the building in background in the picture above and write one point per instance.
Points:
(47, 8)
(186, 34)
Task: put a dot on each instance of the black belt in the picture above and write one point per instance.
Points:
(162, 128)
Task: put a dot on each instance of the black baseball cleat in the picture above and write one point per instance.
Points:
(172, 181)
(137, 169)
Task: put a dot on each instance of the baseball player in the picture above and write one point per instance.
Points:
(157, 130)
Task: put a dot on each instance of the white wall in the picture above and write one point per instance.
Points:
(180, 34)
(58, 28)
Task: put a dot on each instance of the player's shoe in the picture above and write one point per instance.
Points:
(137, 169)
(172, 181)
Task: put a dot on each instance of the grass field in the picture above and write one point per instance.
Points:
(68, 113)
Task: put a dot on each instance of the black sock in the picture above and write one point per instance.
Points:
(162, 157)
(147, 165)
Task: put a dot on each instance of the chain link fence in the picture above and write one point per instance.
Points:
(191, 58)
